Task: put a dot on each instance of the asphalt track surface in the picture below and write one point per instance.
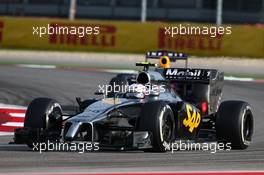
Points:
(21, 85)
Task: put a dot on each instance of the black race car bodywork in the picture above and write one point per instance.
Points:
(184, 106)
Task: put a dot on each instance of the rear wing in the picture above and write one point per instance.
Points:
(197, 85)
(173, 56)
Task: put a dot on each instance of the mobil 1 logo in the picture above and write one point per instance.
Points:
(186, 74)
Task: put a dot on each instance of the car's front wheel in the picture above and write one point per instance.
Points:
(44, 119)
(157, 118)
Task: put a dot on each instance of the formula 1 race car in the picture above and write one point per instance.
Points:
(159, 106)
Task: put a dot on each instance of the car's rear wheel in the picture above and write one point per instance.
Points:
(157, 118)
(43, 116)
(234, 124)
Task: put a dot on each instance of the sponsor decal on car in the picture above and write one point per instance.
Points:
(111, 101)
(187, 74)
(193, 118)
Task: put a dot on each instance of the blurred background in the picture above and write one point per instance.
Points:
(230, 11)
(132, 27)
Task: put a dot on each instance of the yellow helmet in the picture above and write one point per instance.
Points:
(164, 62)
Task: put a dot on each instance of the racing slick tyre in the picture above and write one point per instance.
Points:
(44, 119)
(234, 124)
(157, 118)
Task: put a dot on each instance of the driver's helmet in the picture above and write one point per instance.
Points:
(136, 91)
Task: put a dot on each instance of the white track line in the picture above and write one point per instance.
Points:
(8, 106)
(6, 133)
(37, 66)
(19, 115)
(120, 71)
(13, 124)
(231, 78)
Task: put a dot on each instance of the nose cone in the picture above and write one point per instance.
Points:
(71, 133)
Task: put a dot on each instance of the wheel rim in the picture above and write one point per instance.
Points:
(54, 118)
(247, 128)
(56, 112)
(167, 128)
